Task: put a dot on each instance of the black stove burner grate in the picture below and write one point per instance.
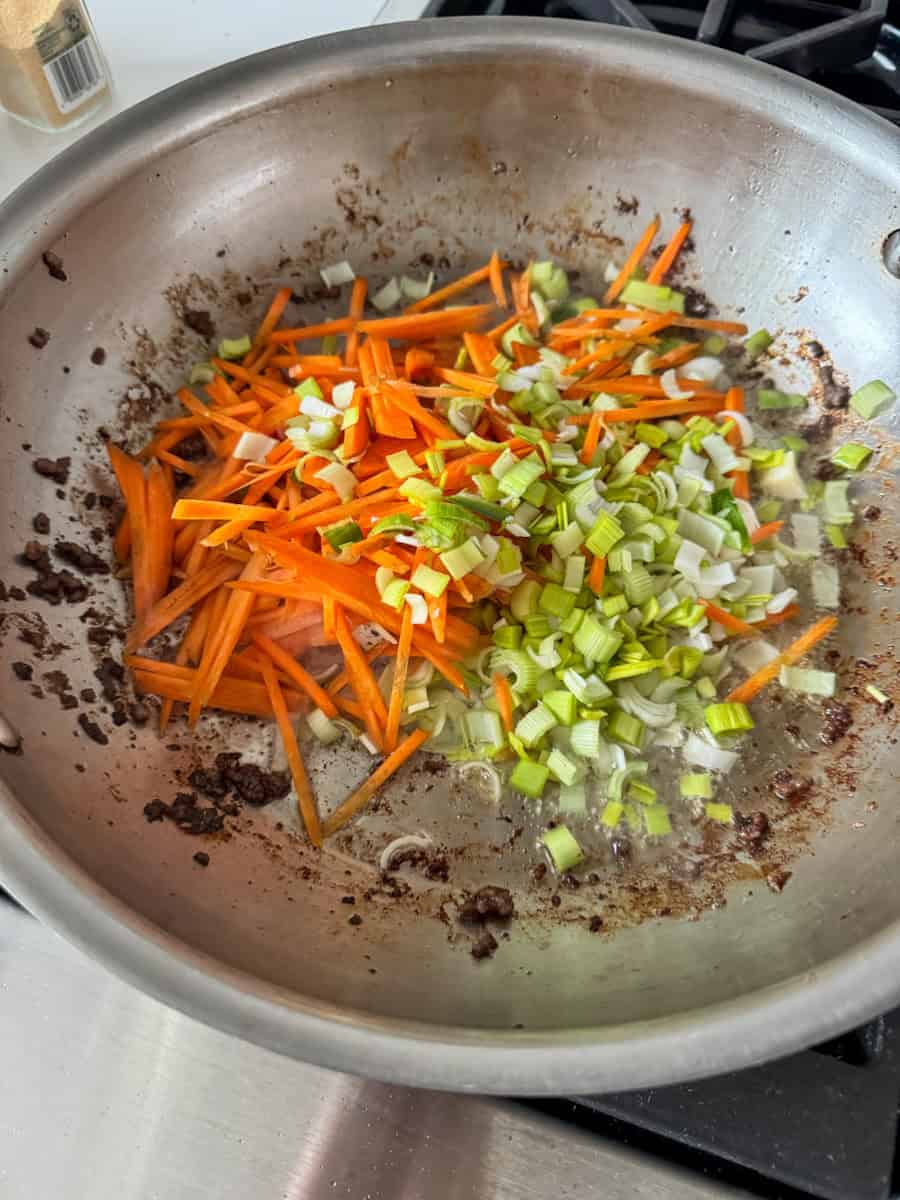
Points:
(821, 1125)
(850, 49)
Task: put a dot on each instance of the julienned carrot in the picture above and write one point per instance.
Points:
(421, 327)
(740, 484)
(398, 686)
(464, 284)
(361, 797)
(357, 308)
(402, 396)
(786, 614)
(223, 641)
(495, 274)
(666, 260)
(474, 385)
(180, 600)
(133, 485)
(766, 531)
(797, 650)
(362, 680)
(306, 801)
(437, 615)
(220, 510)
(650, 410)
(230, 694)
(308, 333)
(327, 516)
(591, 439)
(297, 673)
(186, 654)
(728, 621)
(504, 700)
(597, 574)
(633, 261)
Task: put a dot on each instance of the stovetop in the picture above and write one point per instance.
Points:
(851, 48)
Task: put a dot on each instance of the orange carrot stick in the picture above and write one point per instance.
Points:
(633, 261)
(362, 679)
(650, 410)
(437, 613)
(307, 333)
(504, 700)
(306, 801)
(474, 385)
(495, 274)
(180, 600)
(296, 672)
(133, 484)
(596, 575)
(464, 284)
(357, 308)
(766, 531)
(728, 621)
(591, 439)
(380, 775)
(663, 264)
(797, 650)
(398, 687)
(786, 614)
(220, 510)
(420, 327)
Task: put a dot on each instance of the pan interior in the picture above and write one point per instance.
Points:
(441, 159)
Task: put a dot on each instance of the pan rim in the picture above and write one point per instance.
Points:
(764, 1024)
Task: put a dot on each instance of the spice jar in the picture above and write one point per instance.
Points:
(52, 71)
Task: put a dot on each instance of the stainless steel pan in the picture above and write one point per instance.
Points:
(444, 139)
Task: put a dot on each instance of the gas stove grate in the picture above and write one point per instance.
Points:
(851, 49)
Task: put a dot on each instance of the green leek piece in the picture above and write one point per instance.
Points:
(808, 681)
(538, 626)
(555, 600)
(872, 399)
(232, 348)
(656, 820)
(524, 599)
(715, 344)
(651, 435)
(658, 298)
(462, 560)
(484, 728)
(605, 534)
(836, 503)
(403, 465)
(877, 694)
(462, 359)
(394, 594)
(835, 535)
(612, 814)
(563, 848)
(722, 813)
(550, 280)
(518, 333)
(431, 582)
(435, 462)
(507, 637)
(757, 342)
(517, 480)
(529, 778)
(851, 456)
(696, 786)
(728, 718)
(562, 704)
(638, 585)
(631, 670)
(623, 727)
(487, 485)
(769, 398)
(613, 605)
(790, 441)
(641, 792)
(537, 722)
(308, 387)
(706, 689)
(561, 768)
(343, 534)
(484, 508)
(585, 738)
(595, 642)
(419, 490)
(202, 373)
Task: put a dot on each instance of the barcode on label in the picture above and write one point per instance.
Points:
(74, 75)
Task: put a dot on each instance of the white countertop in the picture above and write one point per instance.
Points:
(152, 46)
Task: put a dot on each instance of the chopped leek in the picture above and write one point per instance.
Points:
(529, 778)
(232, 348)
(728, 718)
(872, 399)
(563, 848)
(431, 582)
(851, 456)
(807, 681)
(696, 786)
(757, 343)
